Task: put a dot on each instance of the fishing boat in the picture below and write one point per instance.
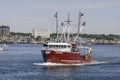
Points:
(1, 48)
(65, 51)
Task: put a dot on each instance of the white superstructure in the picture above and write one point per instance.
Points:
(59, 47)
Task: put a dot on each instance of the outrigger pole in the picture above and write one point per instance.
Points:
(56, 16)
(79, 23)
(79, 26)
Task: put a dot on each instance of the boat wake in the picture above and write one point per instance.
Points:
(58, 64)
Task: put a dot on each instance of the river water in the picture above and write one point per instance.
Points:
(24, 62)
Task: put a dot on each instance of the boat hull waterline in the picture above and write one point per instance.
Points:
(65, 57)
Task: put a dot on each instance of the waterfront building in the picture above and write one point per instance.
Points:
(4, 30)
(4, 33)
(44, 33)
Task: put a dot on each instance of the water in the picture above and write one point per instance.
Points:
(24, 62)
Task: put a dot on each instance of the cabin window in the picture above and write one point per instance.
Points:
(64, 46)
(57, 46)
(45, 45)
(68, 46)
(52, 45)
(49, 45)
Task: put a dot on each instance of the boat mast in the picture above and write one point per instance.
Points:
(66, 29)
(68, 24)
(79, 26)
(56, 16)
(79, 23)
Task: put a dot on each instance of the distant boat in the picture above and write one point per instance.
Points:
(1, 48)
(5, 46)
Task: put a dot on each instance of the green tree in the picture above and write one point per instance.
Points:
(38, 38)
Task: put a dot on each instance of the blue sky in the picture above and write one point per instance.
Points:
(101, 16)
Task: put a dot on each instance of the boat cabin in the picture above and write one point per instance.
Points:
(59, 47)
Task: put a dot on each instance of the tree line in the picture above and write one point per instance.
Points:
(94, 36)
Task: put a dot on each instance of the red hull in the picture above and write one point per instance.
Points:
(64, 57)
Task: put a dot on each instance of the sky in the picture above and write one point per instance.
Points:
(101, 16)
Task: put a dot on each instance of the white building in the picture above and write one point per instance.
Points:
(44, 33)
